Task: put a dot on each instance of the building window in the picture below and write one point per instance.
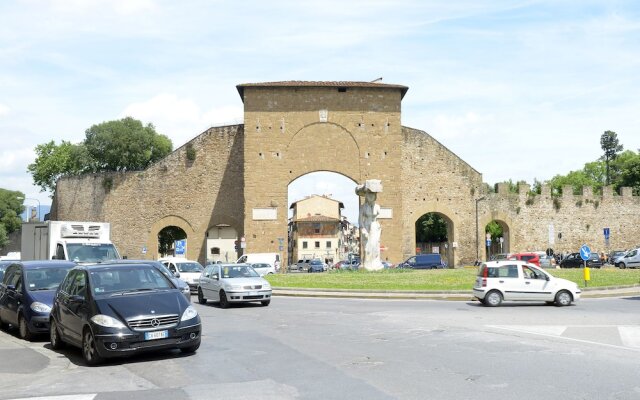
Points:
(328, 244)
(215, 251)
(304, 245)
(317, 245)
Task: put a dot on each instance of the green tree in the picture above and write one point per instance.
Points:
(630, 175)
(611, 146)
(167, 236)
(431, 227)
(124, 145)
(10, 209)
(495, 229)
(53, 161)
(121, 145)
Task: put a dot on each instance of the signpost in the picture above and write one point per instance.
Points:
(607, 233)
(585, 253)
(180, 247)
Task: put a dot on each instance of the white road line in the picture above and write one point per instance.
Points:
(630, 335)
(63, 397)
(529, 331)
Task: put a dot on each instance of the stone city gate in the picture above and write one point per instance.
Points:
(237, 176)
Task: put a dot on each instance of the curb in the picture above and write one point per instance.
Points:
(459, 295)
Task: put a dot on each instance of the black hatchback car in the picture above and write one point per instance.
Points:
(26, 294)
(574, 260)
(112, 310)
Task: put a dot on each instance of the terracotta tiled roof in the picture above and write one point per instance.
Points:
(336, 84)
(340, 204)
(317, 218)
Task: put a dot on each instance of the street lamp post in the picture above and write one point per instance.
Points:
(477, 241)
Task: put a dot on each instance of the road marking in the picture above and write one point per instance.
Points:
(63, 397)
(630, 335)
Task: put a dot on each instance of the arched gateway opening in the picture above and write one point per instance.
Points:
(322, 218)
(167, 239)
(497, 240)
(434, 234)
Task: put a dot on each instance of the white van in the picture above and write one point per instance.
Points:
(273, 259)
(189, 270)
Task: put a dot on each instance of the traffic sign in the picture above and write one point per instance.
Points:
(606, 233)
(585, 252)
(488, 242)
(181, 247)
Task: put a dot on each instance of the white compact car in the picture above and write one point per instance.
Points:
(189, 270)
(232, 283)
(263, 268)
(511, 280)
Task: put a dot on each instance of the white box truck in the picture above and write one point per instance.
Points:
(82, 242)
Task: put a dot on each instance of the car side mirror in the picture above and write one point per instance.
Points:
(215, 276)
(176, 274)
(76, 298)
(11, 287)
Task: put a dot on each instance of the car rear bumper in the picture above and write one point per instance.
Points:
(117, 345)
(479, 293)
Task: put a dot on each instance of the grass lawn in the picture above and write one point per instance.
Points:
(442, 279)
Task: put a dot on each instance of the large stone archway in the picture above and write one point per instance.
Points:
(172, 220)
(287, 136)
(453, 223)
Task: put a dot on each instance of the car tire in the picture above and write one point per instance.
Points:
(201, 298)
(493, 299)
(190, 349)
(89, 350)
(224, 303)
(265, 303)
(23, 329)
(550, 303)
(622, 265)
(54, 336)
(563, 298)
(2, 325)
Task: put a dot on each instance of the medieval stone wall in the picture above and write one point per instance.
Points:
(193, 194)
(436, 180)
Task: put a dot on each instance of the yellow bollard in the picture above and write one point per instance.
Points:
(587, 275)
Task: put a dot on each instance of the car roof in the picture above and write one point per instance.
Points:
(46, 264)
(108, 265)
(503, 263)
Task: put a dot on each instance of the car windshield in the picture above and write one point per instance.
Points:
(240, 271)
(260, 265)
(128, 279)
(316, 262)
(91, 252)
(189, 267)
(45, 278)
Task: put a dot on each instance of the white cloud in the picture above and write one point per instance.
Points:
(124, 7)
(4, 110)
(180, 118)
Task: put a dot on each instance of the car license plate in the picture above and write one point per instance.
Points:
(253, 293)
(156, 335)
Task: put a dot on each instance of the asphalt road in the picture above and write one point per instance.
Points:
(301, 348)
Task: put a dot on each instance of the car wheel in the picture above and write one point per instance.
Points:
(2, 324)
(493, 299)
(89, 351)
(23, 329)
(563, 298)
(224, 303)
(190, 349)
(622, 265)
(201, 298)
(54, 336)
(265, 302)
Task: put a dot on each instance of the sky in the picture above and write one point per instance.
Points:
(520, 90)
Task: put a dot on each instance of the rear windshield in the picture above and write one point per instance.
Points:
(527, 258)
(189, 267)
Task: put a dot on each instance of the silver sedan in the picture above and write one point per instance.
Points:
(232, 283)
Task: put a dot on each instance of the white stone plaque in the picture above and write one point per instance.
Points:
(324, 115)
(385, 213)
(265, 214)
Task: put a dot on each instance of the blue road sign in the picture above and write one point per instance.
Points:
(606, 233)
(585, 252)
(488, 242)
(181, 245)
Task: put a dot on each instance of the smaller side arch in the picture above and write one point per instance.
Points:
(500, 217)
(170, 220)
(448, 213)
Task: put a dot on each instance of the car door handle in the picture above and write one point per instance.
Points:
(528, 283)
(501, 281)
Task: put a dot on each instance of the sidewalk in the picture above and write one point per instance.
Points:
(462, 295)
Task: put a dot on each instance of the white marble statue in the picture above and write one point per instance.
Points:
(369, 226)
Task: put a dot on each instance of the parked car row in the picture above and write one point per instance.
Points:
(107, 310)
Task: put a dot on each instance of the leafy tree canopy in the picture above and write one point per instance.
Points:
(121, 145)
(10, 210)
(495, 229)
(431, 228)
(167, 237)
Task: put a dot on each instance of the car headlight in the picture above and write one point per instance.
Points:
(266, 285)
(107, 321)
(186, 289)
(189, 313)
(40, 307)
